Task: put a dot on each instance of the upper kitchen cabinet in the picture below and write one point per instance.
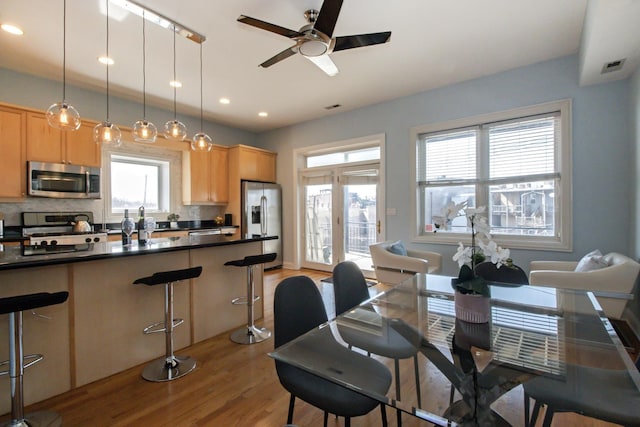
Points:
(205, 177)
(12, 160)
(251, 163)
(48, 144)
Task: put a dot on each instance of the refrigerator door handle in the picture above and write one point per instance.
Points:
(263, 215)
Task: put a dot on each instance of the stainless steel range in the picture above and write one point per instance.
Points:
(59, 228)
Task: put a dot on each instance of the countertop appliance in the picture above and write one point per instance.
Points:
(57, 228)
(262, 216)
(60, 180)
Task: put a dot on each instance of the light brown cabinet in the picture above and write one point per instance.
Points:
(12, 158)
(249, 163)
(48, 144)
(205, 177)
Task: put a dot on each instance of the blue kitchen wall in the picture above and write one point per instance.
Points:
(635, 138)
(602, 147)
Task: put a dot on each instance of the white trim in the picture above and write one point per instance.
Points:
(565, 240)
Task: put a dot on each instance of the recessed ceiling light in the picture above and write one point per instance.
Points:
(263, 114)
(225, 101)
(12, 29)
(105, 60)
(175, 83)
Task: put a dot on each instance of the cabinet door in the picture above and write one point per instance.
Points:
(266, 167)
(198, 189)
(248, 164)
(44, 143)
(12, 163)
(219, 175)
(80, 148)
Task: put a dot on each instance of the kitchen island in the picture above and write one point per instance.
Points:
(98, 331)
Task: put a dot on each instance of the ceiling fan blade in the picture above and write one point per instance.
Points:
(269, 27)
(325, 63)
(350, 42)
(328, 16)
(282, 55)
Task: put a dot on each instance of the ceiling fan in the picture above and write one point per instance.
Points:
(314, 41)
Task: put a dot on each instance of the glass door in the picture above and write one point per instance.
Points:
(341, 217)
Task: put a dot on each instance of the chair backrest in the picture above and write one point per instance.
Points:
(513, 275)
(297, 308)
(349, 286)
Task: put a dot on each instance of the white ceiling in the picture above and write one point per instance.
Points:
(434, 43)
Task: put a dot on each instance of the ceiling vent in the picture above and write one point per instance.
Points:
(613, 66)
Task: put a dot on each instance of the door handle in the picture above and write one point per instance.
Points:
(263, 215)
(378, 227)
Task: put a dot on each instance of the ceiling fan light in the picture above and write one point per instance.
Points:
(107, 133)
(144, 131)
(63, 116)
(175, 130)
(313, 48)
(201, 142)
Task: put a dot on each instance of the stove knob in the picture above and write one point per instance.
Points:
(96, 239)
(52, 243)
(43, 243)
(88, 240)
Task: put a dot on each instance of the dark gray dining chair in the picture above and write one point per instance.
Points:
(512, 274)
(350, 289)
(297, 309)
(605, 394)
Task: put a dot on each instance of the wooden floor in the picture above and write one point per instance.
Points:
(233, 385)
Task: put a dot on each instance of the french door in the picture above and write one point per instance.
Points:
(341, 215)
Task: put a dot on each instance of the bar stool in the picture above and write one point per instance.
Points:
(14, 306)
(250, 334)
(168, 367)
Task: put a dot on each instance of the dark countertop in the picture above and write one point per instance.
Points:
(12, 257)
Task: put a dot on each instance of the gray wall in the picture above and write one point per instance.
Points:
(633, 308)
(602, 162)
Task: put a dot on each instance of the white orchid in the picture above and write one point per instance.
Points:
(449, 212)
(498, 255)
(463, 255)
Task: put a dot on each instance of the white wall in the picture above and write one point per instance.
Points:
(602, 165)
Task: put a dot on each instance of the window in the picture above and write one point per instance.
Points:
(139, 181)
(515, 163)
(342, 157)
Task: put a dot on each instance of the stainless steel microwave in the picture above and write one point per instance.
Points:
(63, 181)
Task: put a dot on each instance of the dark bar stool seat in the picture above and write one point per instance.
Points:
(14, 306)
(170, 366)
(250, 334)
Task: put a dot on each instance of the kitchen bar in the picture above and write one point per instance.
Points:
(98, 331)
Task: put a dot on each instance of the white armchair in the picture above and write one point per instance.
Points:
(392, 268)
(612, 285)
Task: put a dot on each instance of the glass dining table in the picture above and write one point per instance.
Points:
(469, 374)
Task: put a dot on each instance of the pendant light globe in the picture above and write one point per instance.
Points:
(61, 115)
(175, 130)
(201, 142)
(144, 131)
(107, 133)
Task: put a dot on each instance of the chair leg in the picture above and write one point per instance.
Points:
(417, 369)
(548, 417)
(527, 407)
(536, 412)
(292, 401)
(383, 413)
(347, 422)
(326, 419)
(452, 392)
(396, 363)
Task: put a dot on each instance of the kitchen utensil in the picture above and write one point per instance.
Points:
(81, 225)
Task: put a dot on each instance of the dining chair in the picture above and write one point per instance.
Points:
(350, 289)
(297, 309)
(605, 394)
(513, 274)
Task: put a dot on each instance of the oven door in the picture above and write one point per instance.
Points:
(63, 181)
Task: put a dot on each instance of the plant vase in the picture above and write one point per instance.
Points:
(173, 224)
(472, 308)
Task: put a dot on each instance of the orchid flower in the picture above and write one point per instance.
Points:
(497, 254)
(463, 255)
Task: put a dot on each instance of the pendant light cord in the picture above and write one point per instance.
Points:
(107, 3)
(201, 121)
(175, 115)
(64, 52)
(144, 71)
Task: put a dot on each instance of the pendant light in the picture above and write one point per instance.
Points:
(106, 132)
(144, 130)
(174, 129)
(62, 115)
(201, 141)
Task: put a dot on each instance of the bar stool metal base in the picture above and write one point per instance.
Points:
(159, 370)
(37, 419)
(250, 335)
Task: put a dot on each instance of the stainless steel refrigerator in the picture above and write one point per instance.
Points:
(262, 216)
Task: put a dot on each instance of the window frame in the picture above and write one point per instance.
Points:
(563, 241)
